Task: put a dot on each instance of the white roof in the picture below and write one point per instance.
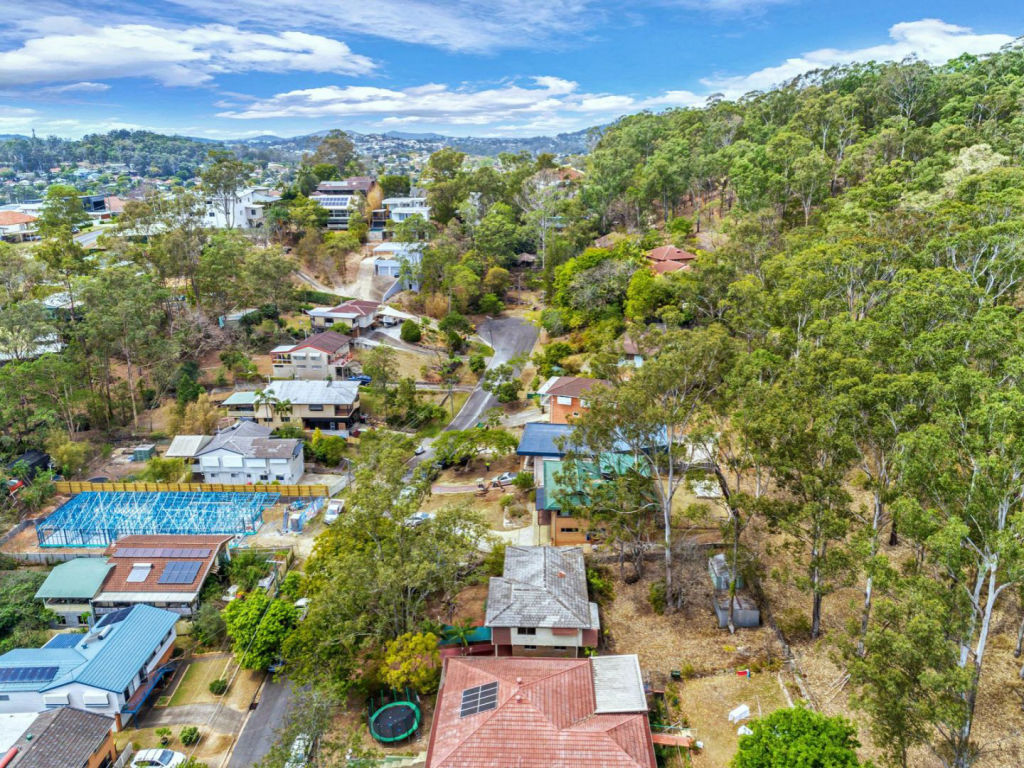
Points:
(303, 392)
(12, 725)
(390, 312)
(186, 446)
(618, 684)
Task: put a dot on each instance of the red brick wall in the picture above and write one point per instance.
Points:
(561, 414)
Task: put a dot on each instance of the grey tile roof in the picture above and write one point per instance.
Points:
(251, 439)
(540, 587)
(62, 737)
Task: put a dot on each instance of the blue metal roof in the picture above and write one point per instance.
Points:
(540, 439)
(130, 643)
(108, 661)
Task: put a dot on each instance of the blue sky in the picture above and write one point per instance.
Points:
(236, 68)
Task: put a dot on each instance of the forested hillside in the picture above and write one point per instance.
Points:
(850, 340)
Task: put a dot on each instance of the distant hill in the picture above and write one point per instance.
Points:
(146, 151)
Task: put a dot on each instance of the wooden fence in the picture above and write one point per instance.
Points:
(71, 487)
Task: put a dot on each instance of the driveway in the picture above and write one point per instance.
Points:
(220, 718)
(509, 337)
(260, 731)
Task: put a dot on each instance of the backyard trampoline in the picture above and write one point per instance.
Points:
(395, 716)
(98, 518)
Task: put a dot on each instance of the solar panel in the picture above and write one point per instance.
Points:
(127, 552)
(65, 640)
(27, 674)
(180, 572)
(114, 617)
(479, 699)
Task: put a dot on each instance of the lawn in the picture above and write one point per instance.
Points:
(210, 750)
(194, 687)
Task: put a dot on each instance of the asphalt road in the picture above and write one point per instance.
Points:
(260, 732)
(89, 237)
(510, 337)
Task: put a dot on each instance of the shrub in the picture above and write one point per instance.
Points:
(494, 561)
(491, 304)
(164, 734)
(601, 588)
(477, 364)
(190, 734)
(410, 332)
(412, 660)
(523, 482)
(657, 597)
(218, 687)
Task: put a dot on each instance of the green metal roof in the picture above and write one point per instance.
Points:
(78, 578)
(587, 472)
(241, 398)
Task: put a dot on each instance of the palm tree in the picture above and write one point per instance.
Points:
(282, 408)
(265, 398)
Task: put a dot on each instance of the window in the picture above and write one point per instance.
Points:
(530, 647)
(4, 697)
(284, 418)
(526, 630)
(564, 400)
(570, 530)
(315, 407)
(560, 647)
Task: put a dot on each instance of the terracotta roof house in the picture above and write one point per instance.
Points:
(110, 671)
(15, 226)
(565, 396)
(358, 314)
(670, 253)
(541, 713)
(65, 737)
(539, 605)
(166, 571)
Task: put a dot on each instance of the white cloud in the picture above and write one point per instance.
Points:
(478, 26)
(172, 56)
(24, 120)
(82, 87)
(932, 40)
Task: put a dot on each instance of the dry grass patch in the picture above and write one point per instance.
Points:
(194, 687)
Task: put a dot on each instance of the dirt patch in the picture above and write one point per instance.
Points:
(488, 506)
(687, 639)
(704, 704)
(354, 717)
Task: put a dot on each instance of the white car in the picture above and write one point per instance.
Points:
(417, 518)
(334, 509)
(157, 758)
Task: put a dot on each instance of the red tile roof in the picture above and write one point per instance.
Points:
(10, 218)
(327, 341)
(670, 253)
(357, 307)
(661, 267)
(117, 578)
(545, 717)
(571, 386)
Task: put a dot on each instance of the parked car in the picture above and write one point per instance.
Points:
(417, 518)
(505, 478)
(334, 509)
(157, 758)
(361, 378)
(276, 665)
(420, 450)
(299, 752)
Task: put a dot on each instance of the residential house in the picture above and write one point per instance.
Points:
(70, 588)
(324, 355)
(542, 446)
(541, 713)
(358, 314)
(111, 670)
(633, 354)
(327, 405)
(668, 258)
(64, 737)
(16, 227)
(243, 453)
(340, 197)
(244, 209)
(164, 571)
(399, 260)
(565, 397)
(394, 210)
(539, 605)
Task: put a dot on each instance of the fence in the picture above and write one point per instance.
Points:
(71, 487)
